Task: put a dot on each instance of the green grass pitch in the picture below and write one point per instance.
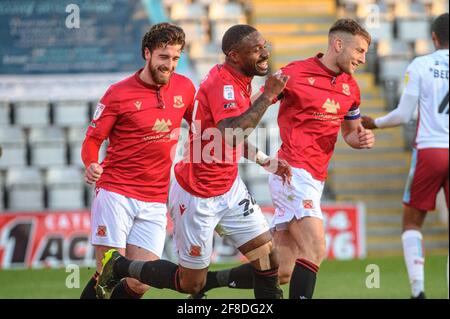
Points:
(336, 279)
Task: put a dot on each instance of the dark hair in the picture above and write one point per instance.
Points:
(234, 35)
(352, 27)
(161, 35)
(440, 27)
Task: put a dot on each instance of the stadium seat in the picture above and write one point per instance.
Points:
(65, 188)
(75, 140)
(25, 189)
(382, 31)
(393, 67)
(4, 113)
(2, 193)
(182, 11)
(196, 30)
(32, 113)
(48, 147)
(13, 142)
(205, 52)
(422, 47)
(218, 29)
(226, 11)
(421, 29)
(273, 141)
(259, 189)
(71, 113)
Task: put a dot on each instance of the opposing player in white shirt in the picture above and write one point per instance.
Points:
(427, 85)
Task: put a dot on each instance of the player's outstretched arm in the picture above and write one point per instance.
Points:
(400, 116)
(247, 121)
(356, 136)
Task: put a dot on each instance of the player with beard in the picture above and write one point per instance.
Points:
(321, 98)
(140, 116)
(208, 193)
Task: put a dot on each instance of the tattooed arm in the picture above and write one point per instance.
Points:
(237, 129)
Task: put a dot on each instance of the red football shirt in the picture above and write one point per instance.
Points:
(141, 122)
(314, 104)
(209, 167)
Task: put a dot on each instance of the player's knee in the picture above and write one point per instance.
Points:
(264, 257)
(319, 253)
(137, 286)
(192, 287)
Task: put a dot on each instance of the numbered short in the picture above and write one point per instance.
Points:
(298, 200)
(117, 220)
(234, 214)
(427, 175)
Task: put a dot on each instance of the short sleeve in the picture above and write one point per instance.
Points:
(354, 112)
(105, 116)
(412, 79)
(223, 101)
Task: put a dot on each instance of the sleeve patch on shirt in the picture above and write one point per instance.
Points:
(98, 111)
(406, 78)
(228, 92)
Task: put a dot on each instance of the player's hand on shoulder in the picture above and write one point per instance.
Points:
(279, 167)
(275, 85)
(366, 137)
(368, 122)
(92, 173)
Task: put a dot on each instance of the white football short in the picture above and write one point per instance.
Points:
(300, 199)
(117, 220)
(234, 214)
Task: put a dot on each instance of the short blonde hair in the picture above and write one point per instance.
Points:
(352, 27)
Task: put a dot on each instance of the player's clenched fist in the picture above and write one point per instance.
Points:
(275, 85)
(93, 173)
(366, 137)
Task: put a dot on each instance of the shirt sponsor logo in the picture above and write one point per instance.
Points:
(230, 106)
(308, 204)
(346, 89)
(311, 80)
(178, 102)
(138, 105)
(331, 106)
(101, 231)
(196, 251)
(98, 111)
(228, 92)
(162, 126)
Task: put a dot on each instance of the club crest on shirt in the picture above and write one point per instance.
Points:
(228, 92)
(182, 209)
(311, 80)
(98, 111)
(178, 102)
(346, 89)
